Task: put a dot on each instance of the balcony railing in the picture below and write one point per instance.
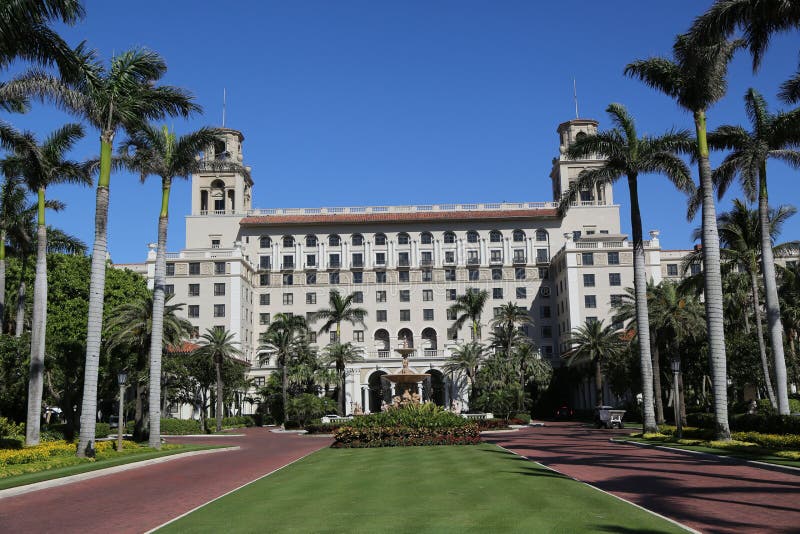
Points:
(496, 260)
(520, 259)
(287, 265)
(473, 261)
(426, 262)
(310, 266)
(542, 258)
(358, 264)
(403, 262)
(334, 265)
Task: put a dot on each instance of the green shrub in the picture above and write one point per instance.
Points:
(102, 430)
(178, 427)
(322, 428)
(291, 425)
(9, 428)
(770, 441)
(525, 418)
(491, 424)
(427, 415)
(303, 408)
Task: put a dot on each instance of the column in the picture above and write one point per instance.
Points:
(419, 390)
(298, 261)
(323, 260)
(319, 253)
(390, 263)
(345, 259)
(367, 255)
(447, 385)
(506, 252)
(484, 253)
(365, 398)
(437, 254)
(393, 389)
(529, 254)
(460, 252)
(414, 254)
(276, 257)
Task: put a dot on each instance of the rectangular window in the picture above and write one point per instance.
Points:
(380, 296)
(265, 262)
(427, 259)
(380, 277)
(219, 310)
(497, 293)
(333, 278)
(194, 268)
(358, 260)
(380, 258)
(616, 301)
(333, 261)
(497, 274)
(312, 337)
(522, 293)
(170, 269)
(263, 280)
(497, 311)
(288, 261)
(358, 336)
(590, 301)
(613, 258)
(588, 280)
(544, 273)
(542, 255)
(263, 318)
(450, 275)
(403, 276)
(263, 299)
(587, 258)
(451, 315)
(402, 259)
(452, 334)
(405, 295)
(449, 257)
(358, 277)
(405, 315)
(496, 256)
(544, 312)
(288, 279)
(519, 273)
(194, 290)
(311, 279)
(519, 255)
(288, 299)
(591, 319)
(358, 297)
(427, 314)
(672, 269)
(194, 310)
(219, 290)
(427, 275)
(311, 260)
(451, 294)
(473, 275)
(694, 268)
(219, 267)
(311, 298)
(473, 258)
(547, 331)
(427, 295)
(614, 279)
(380, 316)
(259, 381)
(334, 338)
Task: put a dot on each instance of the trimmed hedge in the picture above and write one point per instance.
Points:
(174, 427)
(492, 424)
(322, 428)
(767, 424)
(102, 430)
(523, 418)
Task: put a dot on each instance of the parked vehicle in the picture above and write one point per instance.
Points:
(608, 417)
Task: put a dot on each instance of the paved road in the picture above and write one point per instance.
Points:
(706, 494)
(141, 499)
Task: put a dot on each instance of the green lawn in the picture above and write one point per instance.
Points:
(418, 489)
(759, 455)
(82, 465)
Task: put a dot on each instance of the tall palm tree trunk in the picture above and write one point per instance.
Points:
(762, 349)
(21, 294)
(38, 329)
(218, 365)
(285, 387)
(97, 284)
(598, 383)
(771, 295)
(713, 285)
(657, 393)
(2, 281)
(157, 333)
(642, 316)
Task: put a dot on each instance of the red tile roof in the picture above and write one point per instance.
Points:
(356, 218)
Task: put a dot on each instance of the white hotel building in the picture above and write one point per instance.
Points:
(405, 264)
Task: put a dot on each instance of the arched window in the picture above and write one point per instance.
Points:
(580, 135)
(406, 336)
(264, 242)
(311, 240)
(495, 236)
(519, 236)
(403, 238)
(380, 240)
(449, 237)
(288, 241)
(334, 240)
(217, 184)
(426, 238)
(541, 235)
(357, 240)
(472, 236)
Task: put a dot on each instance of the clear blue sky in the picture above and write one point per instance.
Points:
(361, 102)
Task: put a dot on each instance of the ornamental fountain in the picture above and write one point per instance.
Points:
(407, 384)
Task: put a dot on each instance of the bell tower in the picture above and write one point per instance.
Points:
(566, 171)
(218, 191)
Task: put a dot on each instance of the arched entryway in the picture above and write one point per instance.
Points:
(436, 394)
(382, 344)
(406, 336)
(429, 342)
(377, 394)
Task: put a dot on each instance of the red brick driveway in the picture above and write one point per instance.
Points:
(706, 494)
(141, 499)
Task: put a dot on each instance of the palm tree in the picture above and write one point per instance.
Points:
(217, 344)
(530, 364)
(131, 327)
(157, 151)
(510, 318)
(339, 309)
(465, 360)
(790, 305)
(13, 198)
(41, 166)
(628, 155)
(772, 136)
(469, 306)
(339, 355)
(126, 96)
(593, 342)
(695, 78)
(285, 337)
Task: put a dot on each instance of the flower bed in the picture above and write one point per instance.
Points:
(44, 451)
(412, 425)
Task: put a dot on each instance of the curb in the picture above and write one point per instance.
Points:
(165, 436)
(723, 459)
(63, 481)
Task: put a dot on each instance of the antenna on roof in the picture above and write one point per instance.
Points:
(575, 96)
(223, 107)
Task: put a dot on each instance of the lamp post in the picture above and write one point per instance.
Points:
(122, 377)
(676, 371)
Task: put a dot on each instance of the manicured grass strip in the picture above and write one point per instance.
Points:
(418, 489)
(761, 456)
(82, 465)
